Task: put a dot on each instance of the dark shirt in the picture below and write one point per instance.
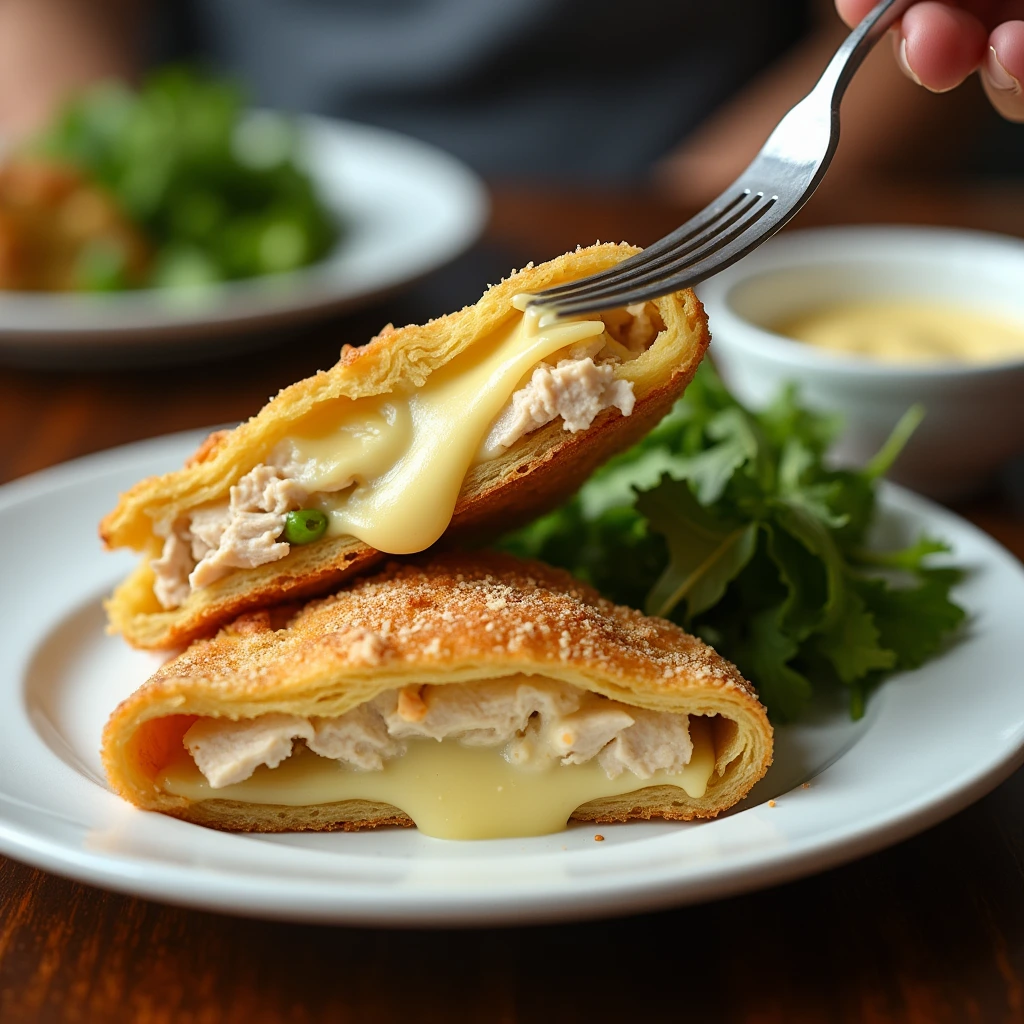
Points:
(590, 91)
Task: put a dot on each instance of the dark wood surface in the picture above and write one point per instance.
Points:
(929, 931)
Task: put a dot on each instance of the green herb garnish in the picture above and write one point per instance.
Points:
(216, 189)
(729, 522)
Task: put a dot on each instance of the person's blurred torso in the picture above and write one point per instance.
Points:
(589, 91)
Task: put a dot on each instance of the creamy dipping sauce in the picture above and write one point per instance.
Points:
(907, 332)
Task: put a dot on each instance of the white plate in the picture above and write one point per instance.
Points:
(407, 208)
(932, 742)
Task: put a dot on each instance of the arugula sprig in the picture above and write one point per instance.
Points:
(730, 523)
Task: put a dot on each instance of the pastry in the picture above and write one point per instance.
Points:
(460, 428)
(473, 695)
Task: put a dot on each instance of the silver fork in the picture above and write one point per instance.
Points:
(766, 195)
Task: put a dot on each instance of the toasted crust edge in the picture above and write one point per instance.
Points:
(362, 815)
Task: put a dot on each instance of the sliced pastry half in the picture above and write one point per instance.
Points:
(472, 423)
(473, 696)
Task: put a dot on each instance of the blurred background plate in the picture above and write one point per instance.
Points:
(406, 207)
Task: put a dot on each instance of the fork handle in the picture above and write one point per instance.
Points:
(858, 44)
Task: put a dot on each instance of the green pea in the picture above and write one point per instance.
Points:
(304, 526)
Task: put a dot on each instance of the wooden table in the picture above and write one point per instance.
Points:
(930, 931)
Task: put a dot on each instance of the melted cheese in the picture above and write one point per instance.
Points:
(901, 332)
(403, 457)
(449, 790)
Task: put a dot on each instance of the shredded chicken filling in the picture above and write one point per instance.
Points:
(535, 722)
(576, 389)
(246, 531)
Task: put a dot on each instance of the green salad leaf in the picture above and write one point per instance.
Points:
(732, 524)
(216, 189)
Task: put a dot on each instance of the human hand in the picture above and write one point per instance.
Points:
(938, 44)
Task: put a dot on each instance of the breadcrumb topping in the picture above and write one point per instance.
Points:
(440, 610)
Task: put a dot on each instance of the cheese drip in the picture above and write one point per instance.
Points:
(399, 459)
(450, 791)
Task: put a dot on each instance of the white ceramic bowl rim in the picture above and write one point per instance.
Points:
(848, 244)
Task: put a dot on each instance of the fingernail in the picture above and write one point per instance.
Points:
(999, 78)
(901, 56)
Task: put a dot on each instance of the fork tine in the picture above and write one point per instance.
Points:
(783, 174)
(691, 247)
(688, 271)
(663, 248)
(666, 251)
(672, 264)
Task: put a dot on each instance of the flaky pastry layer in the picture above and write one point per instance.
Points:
(441, 620)
(534, 475)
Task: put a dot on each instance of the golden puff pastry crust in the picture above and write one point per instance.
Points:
(438, 620)
(534, 475)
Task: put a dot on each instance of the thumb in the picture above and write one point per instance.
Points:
(1002, 71)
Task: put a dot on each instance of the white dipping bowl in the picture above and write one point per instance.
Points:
(974, 419)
